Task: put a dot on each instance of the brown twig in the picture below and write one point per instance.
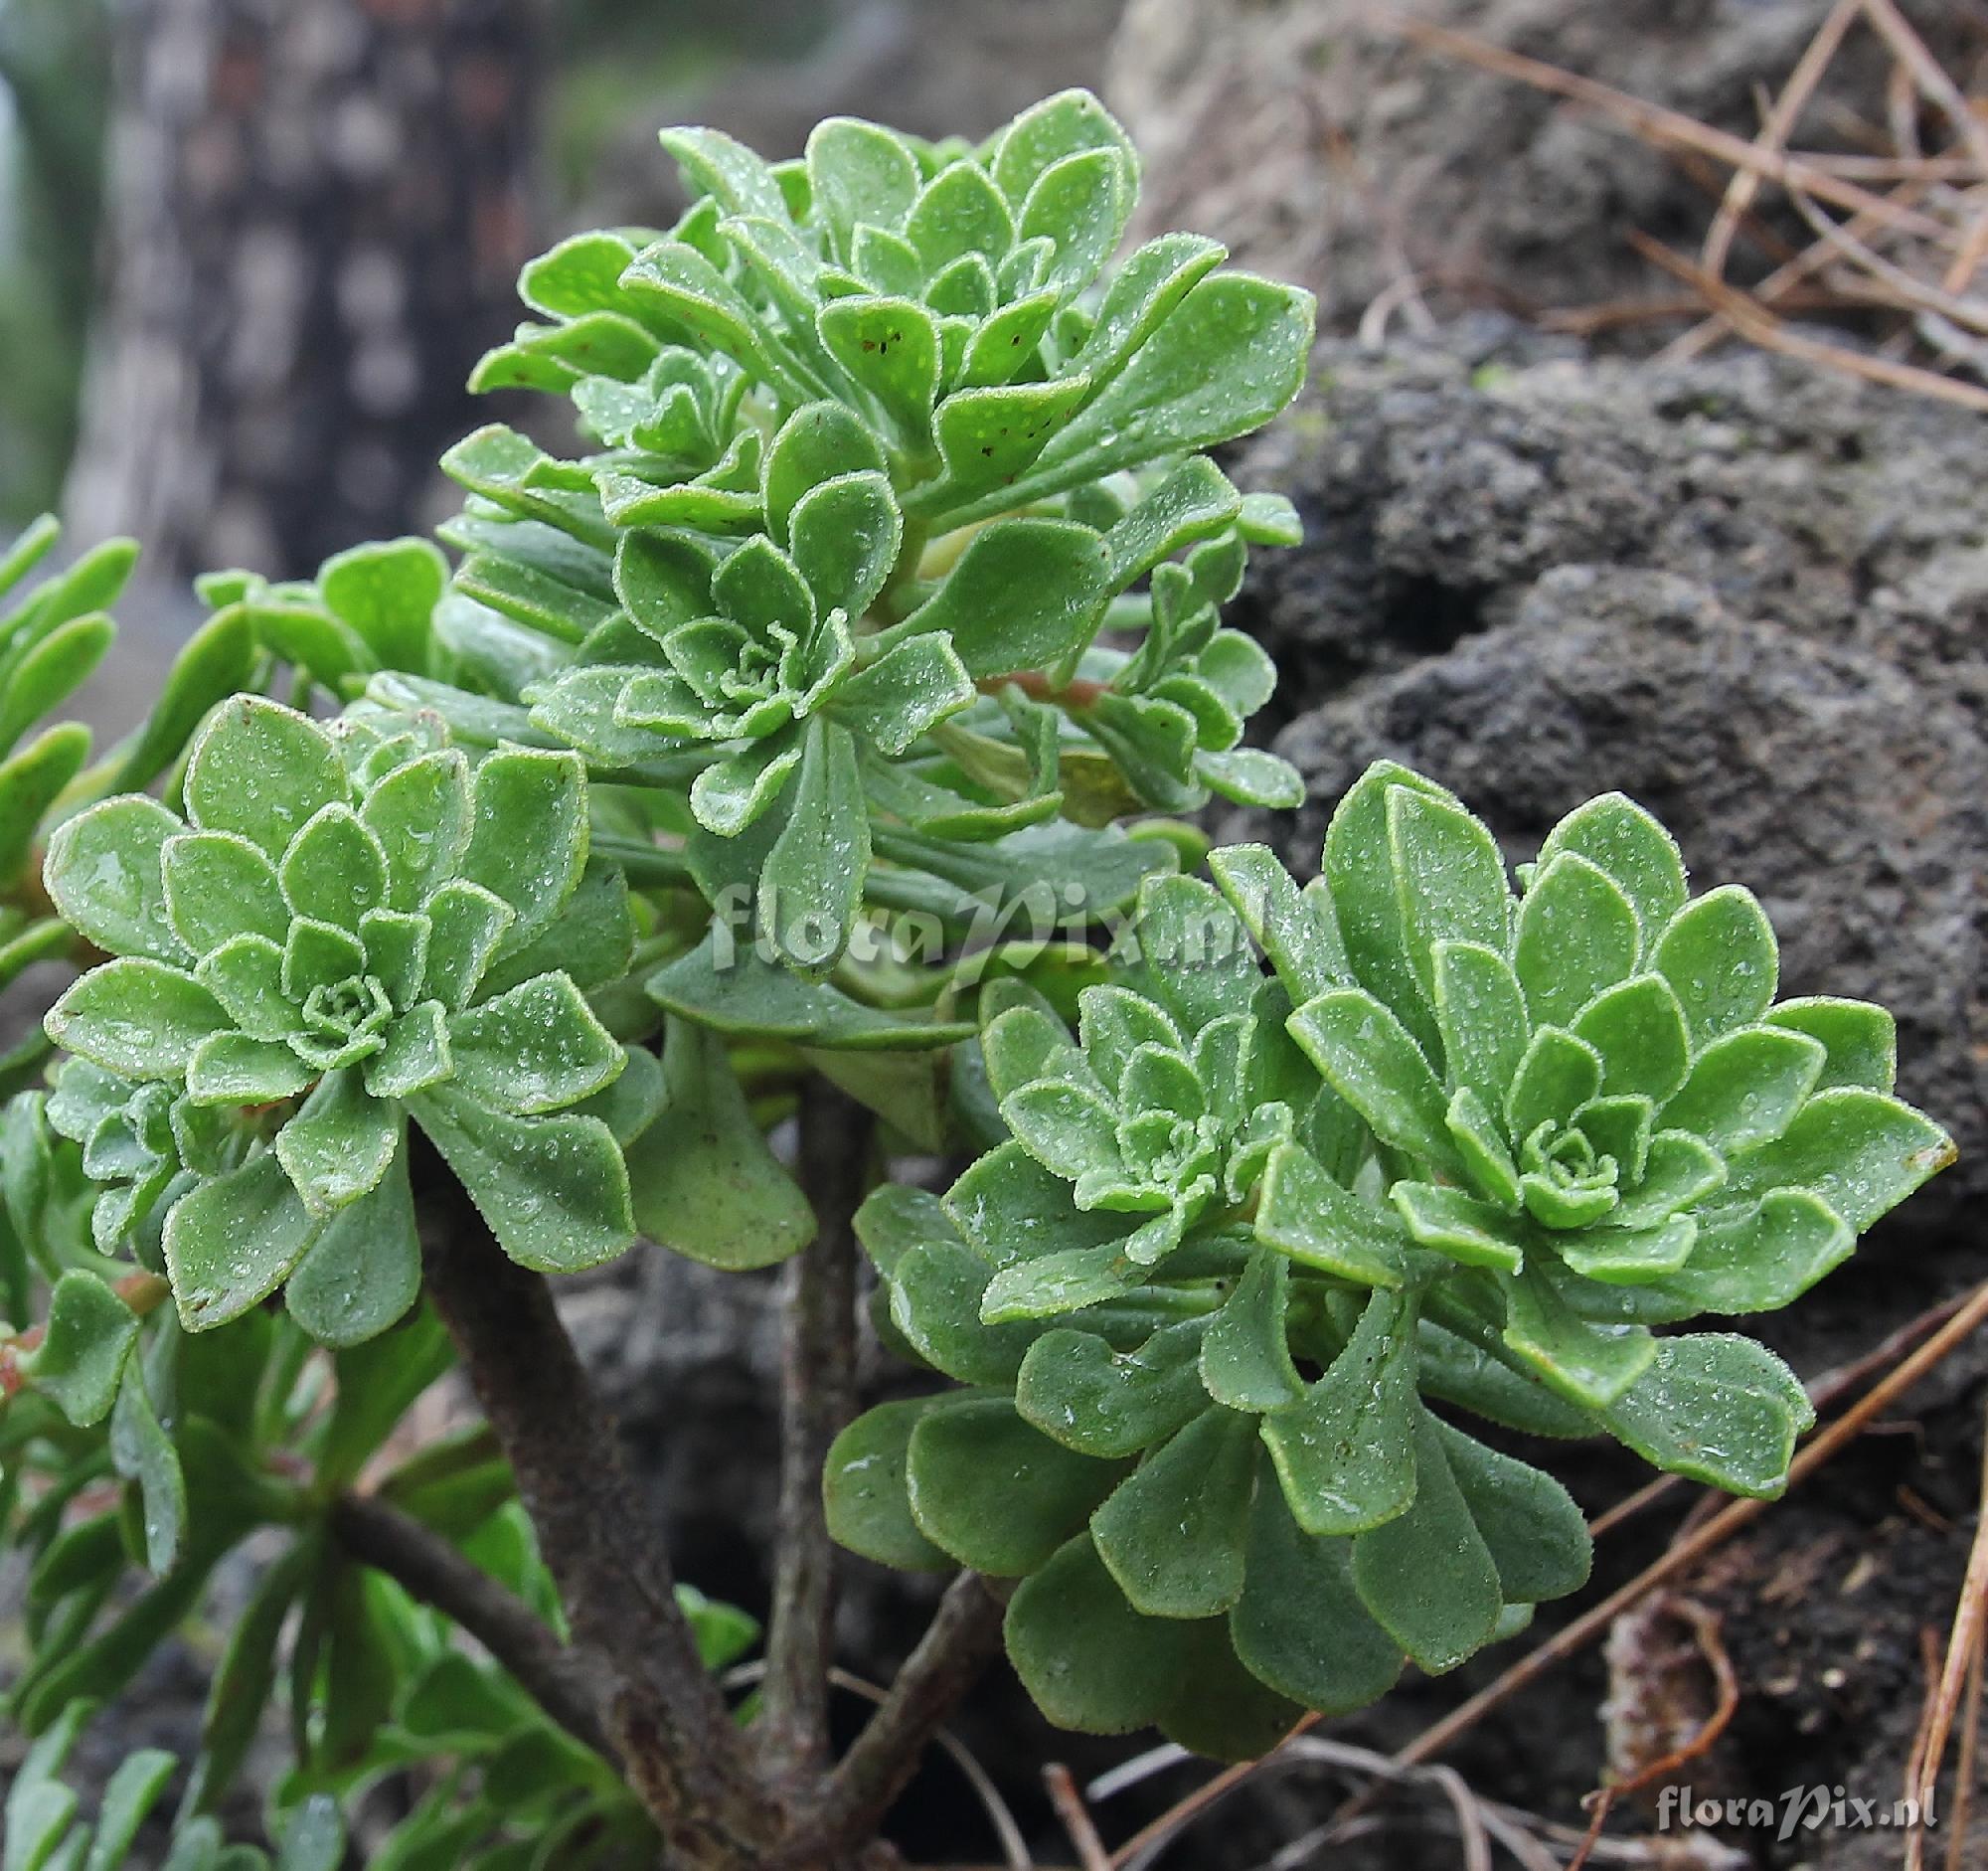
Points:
(1759, 326)
(1705, 1628)
(962, 1639)
(1911, 292)
(1826, 1445)
(1930, 77)
(1964, 1772)
(1780, 121)
(432, 1570)
(1781, 286)
(658, 1707)
(1963, 1649)
(1671, 128)
(1074, 1819)
(817, 1398)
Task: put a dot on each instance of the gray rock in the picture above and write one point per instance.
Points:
(1438, 484)
(1851, 799)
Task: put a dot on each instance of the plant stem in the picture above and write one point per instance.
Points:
(817, 1398)
(397, 1544)
(962, 1639)
(661, 1713)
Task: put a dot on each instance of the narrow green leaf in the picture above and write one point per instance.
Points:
(1720, 956)
(1427, 1576)
(811, 888)
(1450, 877)
(528, 836)
(1455, 1224)
(554, 1190)
(994, 1494)
(1344, 1454)
(705, 1183)
(1173, 1533)
(1303, 1213)
(142, 1451)
(1227, 358)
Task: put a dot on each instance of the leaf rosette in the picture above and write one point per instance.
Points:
(887, 443)
(350, 927)
(1454, 1144)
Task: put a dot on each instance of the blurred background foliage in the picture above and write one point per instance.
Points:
(620, 68)
(55, 109)
(194, 205)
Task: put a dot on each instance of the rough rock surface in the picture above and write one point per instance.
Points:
(1750, 595)
(1438, 484)
(1327, 151)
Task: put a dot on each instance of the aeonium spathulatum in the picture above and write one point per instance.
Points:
(1483, 1145)
(349, 930)
(887, 441)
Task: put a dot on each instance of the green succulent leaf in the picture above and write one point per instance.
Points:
(705, 1183)
(865, 1491)
(81, 1360)
(104, 873)
(1427, 1575)
(994, 1494)
(1344, 1455)
(1173, 1533)
(1719, 1409)
(554, 1190)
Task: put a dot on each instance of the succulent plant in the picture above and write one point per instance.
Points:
(882, 458)
(351, 947)
(792, 749)
(1452, 1144)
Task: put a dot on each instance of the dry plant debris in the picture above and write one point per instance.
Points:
(1900, 223)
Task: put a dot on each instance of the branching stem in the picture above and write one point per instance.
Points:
(817, 1398)
(963, 1637)
(383, 1537)
(657, 1706)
